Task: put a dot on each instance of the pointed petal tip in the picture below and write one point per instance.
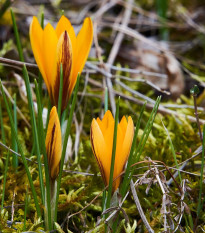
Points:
(108, 114)
(89, 21)
(63, 24)
(48, 27)
(33, 26)
(53, 110)
(34, 20)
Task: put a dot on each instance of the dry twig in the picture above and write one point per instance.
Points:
(139, 207)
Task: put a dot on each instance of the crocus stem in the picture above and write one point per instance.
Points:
(53, 184)
(52, 192)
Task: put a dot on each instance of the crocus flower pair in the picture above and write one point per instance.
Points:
(101, 135)
(101, 140)
(53, 47)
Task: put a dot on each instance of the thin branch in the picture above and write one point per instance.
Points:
(114, 51)
(18, 63)
(139, 207)
(161, 108)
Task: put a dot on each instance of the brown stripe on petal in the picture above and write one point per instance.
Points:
(64, 54)
(51, 148)
(98, 160)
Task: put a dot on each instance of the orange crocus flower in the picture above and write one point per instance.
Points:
(101, 135)
(53, 144)
(53, 47)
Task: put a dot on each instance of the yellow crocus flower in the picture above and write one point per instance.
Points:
(53, 47)
(53, 144)
(102, 142)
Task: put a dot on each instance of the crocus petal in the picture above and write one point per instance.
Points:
(84, 42)
(65, 25)
(83, 45)
(108, 119)
(36, 37)
(126, 146)
(108, 131)
(47, 46)
(108, 137)
(120, 138)
(53, 143)
(62, 26)
(50, 41)
(64, 57)
(106, 122)
(73, 78)
(99, 148)
(123, 125)
(73, 39)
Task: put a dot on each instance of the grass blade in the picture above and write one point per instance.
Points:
(48, 113)
(42, 20)
(104, 197)
(147, 130)
(162, 7)
(32, 114)
(4, 184)
(65, 112)
(16, 33)
(22, 154)
(173, 152)
(14, 144)
(68, 128)
(43, 148)
(60, 91)
(106, 100)
(2, 126)
(202, 173)
(26, 207)
(112, 166)
(137, 153)
(128, 176)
